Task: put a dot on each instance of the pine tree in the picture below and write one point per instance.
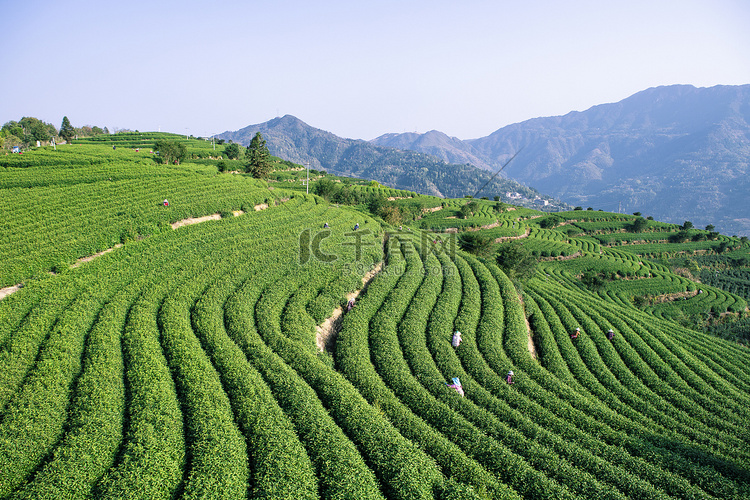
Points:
(67, 131)
(259, 159)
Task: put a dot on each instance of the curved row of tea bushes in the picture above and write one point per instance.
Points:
(57, 224)
(353, 359)
(665, 449)
(34, 417)
(402, 469)
(338, 465)
(595, 427)
(684, 411)
(430, 403)
(569, 434)
(505, 424)
(597, 377)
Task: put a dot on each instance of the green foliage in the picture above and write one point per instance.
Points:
(184, 363)
(593, 281)
(516, 261)
(67, 132)
(476, 243)
(170, 152)
(550, 221)
(639, 224)
(232, 151)
(258, 158)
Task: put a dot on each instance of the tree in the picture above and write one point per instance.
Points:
(638, 225)
(325, 189)
(170, 151)
(259, 163)
(36, 130)
(67, 132)
(550, 221)
(390, 214)
(710, 228)
(679, 237)
(516, 261)
(637, 214)
(593, 280)
(232, 151)
(687, 225)
(476, 243)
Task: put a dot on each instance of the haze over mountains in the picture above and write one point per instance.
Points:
(675, 152)
(292, 139)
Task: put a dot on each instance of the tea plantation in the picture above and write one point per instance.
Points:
(183, 363)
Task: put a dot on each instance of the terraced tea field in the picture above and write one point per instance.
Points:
(183, 363)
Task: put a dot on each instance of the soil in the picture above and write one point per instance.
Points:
(562, 257)
(195, 220)
(4, 292)
(327, 331)
(532, 347)
(92, 257)
(508, 238)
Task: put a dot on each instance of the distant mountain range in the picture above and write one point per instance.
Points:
(675, 152)
(292, 139)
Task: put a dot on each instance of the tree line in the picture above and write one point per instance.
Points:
(28, 130)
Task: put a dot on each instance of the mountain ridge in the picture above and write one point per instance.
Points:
(676, 152)
(292, 139)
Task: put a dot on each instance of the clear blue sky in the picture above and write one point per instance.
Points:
(357, 69)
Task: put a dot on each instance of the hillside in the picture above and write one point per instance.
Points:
(676, 152)
(184, 361)
(292, 139)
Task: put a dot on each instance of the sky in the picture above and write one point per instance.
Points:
(356, 69)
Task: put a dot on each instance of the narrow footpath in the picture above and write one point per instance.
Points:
(327, 331)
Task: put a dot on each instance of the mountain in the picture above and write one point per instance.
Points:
(292, 139)
(438, 144)
(675, 152)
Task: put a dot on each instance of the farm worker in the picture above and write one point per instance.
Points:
(166, 203)
(456, 339)
(574, 335)
(509, 377)
(457, 386)
(356, 226)
(349, 305)
(610, 334)
(325, 225)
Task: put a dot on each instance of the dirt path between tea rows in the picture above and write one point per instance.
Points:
(326, 332)
(4, 292)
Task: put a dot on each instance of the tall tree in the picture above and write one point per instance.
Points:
(259, 159)
(67, 131)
